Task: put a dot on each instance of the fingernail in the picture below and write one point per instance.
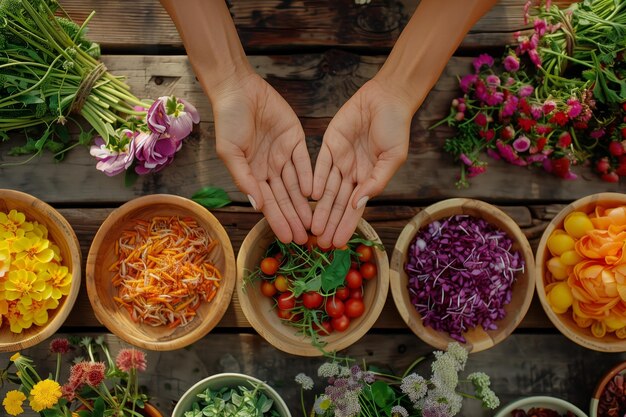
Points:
(252, 201)
(362, 202)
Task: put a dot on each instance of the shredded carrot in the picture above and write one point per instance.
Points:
(163, 271)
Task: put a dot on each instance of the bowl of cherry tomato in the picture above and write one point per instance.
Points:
(307, 300)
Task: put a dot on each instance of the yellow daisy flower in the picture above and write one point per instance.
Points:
(45, 394)
(34, 248)
(5, 258)
(25, 286)
(17, 321)
(37, 312)
(13, 221)
(13, 402)
(38, 230)
(58, 278)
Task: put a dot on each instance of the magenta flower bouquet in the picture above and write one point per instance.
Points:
(556, 100)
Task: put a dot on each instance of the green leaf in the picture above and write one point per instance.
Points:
(84, 138)
(382, 393)
(98, 407)
(39, 144)
(211, 197)
(313, 284)
(31, 98)
(334, 275)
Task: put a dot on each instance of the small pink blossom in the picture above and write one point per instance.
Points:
(543, 129)
(78, 373)
(511, 63)
(171, 115)
(526, 90)
(467, 82)
(111, 161)
(465, 159)
(482, 59)
(475, 170)
(154, 151)
(574, 107)
(597, 134)
(565, 139)
(540, 26)
(508, 154)
(521, 144)
(495, 98)
(510, 106)
(548, 106)
(536, 112)
(493, 154)
(534, 57)
(95, 375)
(68, 392)
(493, 80)
(128, 359)
(481, 119)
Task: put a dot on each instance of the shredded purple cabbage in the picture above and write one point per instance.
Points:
(461, 271)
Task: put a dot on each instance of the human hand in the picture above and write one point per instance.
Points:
(364, 144)
(261, 142)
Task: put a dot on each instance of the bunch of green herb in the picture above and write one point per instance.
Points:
(233, 402)
(49, 72)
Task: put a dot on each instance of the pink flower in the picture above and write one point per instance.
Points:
(548, 106)
(560, 118)
(507, 132)
(574, 107)
(475, 170)
(565, 139)
(536, 112)
(526, 90)
(511, 63)
(521, 144)
(527, 6)
(597, 134)
(95, 375)
(534, 57)
(60, 345)
(465, 159)
(510, 106)
(154, 151)
(111, 161)
(78, 373)
(495, 98)
(68, 392)
(493, 154)
(128, 359)
(543, 129)
(173, 116)
(536, 158)
(508, 154)
(493, 80)
(467, 81)
(482, 59)
(481, 119)
(540, 27)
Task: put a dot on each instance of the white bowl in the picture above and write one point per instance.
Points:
(556, 404)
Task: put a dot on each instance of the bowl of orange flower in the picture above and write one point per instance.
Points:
(160, 272)
(39, 270)
(581, 270)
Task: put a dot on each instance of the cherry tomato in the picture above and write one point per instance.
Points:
(281, 283)
(354, 308)
(365, 253)
(311, 243)
(269, 265)
(267, 288)
(343, 293)
(334, 307)
(285, 314)
(344, 247)
(368, 270)
(356, 293)
(353, 279)
(312, 300)
(324, 328)
(340, 323)
(286, 301)
(279, 257)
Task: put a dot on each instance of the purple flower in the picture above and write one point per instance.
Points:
(467, 81)
(536, 112)
(465, 159)
(111, 161)
(508, 154)
(495, 98)
(493, 80)
(526, 90)
(534, 57)
(521, 144)
(492, 153)
(154, 151)
(510, 106)
(511, 63)
(483, 59)
(597, 134)
(540, 27)
(574, 107)
(173, 116)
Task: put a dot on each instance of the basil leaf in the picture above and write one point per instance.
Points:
(211, 197)
(335, 274)
(382, 393)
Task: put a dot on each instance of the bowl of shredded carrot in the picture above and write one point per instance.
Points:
(40, 270)
(581, 271)
(160, 272)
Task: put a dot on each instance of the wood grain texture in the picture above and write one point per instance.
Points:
(278, 24)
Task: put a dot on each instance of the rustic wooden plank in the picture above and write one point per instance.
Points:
(276, 24)
(522, 365)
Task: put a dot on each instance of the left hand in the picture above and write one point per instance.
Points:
(364, 145)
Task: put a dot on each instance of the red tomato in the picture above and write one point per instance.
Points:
(365, 253)
(340, 323)
(353, 279)
(324, 328)
(269, 265)
(368, 270)
(284, 314)
(279, 257)
(356, 293)
(354, 308)
(334, 307)
(343, 293)
(267, 288)
(286, 301)
(281, 283)
(312, 300)
(311, 243)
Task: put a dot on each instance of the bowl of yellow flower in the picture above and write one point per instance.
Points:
(39, 270)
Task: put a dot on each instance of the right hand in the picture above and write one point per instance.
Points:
(262, 143)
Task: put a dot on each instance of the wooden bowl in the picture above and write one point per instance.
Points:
(619, 369)
(552, 403)
(61, 233)
(259, 311)
(102, 255)
(477, 339)
(565, 322)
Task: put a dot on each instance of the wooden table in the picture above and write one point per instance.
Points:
(315, 53)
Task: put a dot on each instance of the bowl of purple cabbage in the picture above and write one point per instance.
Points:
(462, 270)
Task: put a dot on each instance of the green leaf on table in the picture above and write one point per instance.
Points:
(211, 197)
(383, 395)
(334, 275)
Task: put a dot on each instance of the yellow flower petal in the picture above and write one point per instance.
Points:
(13, 402)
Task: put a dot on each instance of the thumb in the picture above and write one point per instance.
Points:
(375, 184)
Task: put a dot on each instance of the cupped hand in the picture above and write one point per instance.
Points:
(364, 145)
(261, 141)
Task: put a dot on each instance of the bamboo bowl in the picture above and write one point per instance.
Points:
(565, 322)
(102, 255)
(258, 308)
(61, 233)
(477, 339)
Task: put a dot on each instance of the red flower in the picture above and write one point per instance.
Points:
(128, 359)
(481, 119)
(560, 167)
(565, 139)
(488, 134)
(95, 375)
(610, 177)
(624, 132)
(541, 143)
(60, 345)
(560, 118)
(507, 133)
(524, 107)
(580, 125)
(616, 148)
(78, 373)
(603, 166)
(526, 124)
(543, 129)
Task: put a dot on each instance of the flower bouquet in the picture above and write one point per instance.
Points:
(94, 388)
(355, 391)
(557, 99)
(50, 73)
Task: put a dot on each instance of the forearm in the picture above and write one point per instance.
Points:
(426, 45)
(211, 41)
